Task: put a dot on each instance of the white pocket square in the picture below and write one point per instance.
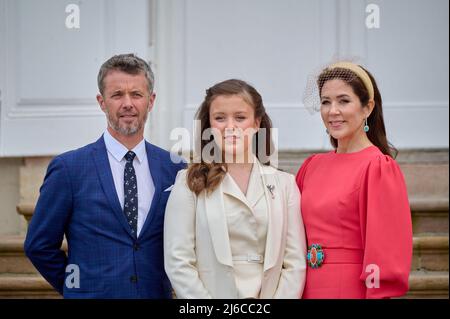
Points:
(168, 189)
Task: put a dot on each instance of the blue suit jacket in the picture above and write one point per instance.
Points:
(78, 199)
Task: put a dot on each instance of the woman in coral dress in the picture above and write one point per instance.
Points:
(354, 200)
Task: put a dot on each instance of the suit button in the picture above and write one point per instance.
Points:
(136, 247)
(133, 279)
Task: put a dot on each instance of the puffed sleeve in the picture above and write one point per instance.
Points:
(386, 229)
(180, 258)
(302, 172)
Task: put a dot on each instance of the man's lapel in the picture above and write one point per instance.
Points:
(154, 164)
(103, 167)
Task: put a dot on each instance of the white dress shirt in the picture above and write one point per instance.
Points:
(146, 188)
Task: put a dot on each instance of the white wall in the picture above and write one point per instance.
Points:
(276, 44)
(410, 57)
(48, 72)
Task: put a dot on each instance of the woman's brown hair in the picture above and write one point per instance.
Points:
(377, 131)
(208, 175)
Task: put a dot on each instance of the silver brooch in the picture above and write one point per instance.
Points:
(271, 188)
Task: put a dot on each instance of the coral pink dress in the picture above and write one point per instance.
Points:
(355, 207)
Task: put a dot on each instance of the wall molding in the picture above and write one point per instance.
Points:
(391, 105)
(53, 108)
(17, 107)
(169, 54)
(47, 124)
(417, 105)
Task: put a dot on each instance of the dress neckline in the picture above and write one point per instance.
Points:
(364, 150)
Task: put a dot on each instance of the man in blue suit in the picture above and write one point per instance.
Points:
(108, 198)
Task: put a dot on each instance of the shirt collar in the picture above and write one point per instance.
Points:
(118, 150)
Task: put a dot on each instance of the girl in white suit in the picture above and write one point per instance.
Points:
(233, 227)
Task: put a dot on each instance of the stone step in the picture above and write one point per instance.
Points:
(428, 284)
(430, 253)
(25, 286)
(422, 285)
(12, 256)
(430, 215)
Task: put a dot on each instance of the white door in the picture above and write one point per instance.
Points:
(48, 68)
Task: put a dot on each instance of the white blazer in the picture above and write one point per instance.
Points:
(197, 253)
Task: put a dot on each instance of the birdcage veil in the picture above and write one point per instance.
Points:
(342, 68)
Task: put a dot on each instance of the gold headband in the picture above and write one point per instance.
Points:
(359, 72)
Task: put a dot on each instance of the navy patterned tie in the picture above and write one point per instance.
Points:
(130, 207)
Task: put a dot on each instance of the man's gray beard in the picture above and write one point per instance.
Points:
(130, 130)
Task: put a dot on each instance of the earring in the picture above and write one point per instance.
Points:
(326, 130)
(366, 126)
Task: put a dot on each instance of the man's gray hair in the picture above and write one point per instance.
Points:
(128, 63)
